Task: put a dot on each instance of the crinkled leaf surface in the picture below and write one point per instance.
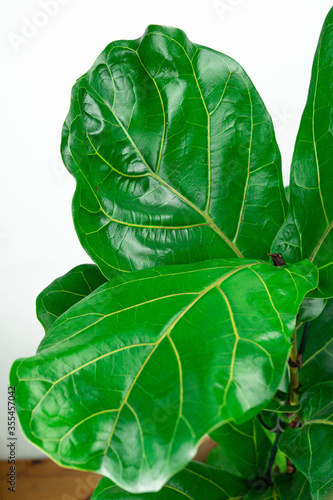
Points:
(66, 291)
(129, 380)
(307, 231)
(310, 446)
(244, 449)
(292, 487)
(318, 355)
(174, 155)
(197, 482)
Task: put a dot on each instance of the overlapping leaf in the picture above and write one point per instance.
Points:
(307, 231)
(129, 380)
(66, 291)
(197, 481)
(278, 406)
(292, 487)
(174, 155)
(318, 356)
(309, 447)
(286, 487)
(310, 309)
(243, 451)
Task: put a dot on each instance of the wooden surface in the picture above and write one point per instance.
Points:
(44, 480)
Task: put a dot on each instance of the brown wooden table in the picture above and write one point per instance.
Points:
(44, 480)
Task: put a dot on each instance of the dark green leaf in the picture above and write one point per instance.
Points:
(310, 309)
(307, 231)
(66, 291)
(309, 447)
(129, 380)
(318, 355)
(279, 409)
(244, 449)
(197, 482)
(261, 492)
(292, 486)
(174, 155)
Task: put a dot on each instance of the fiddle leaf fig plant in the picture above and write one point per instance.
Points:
(184, 327)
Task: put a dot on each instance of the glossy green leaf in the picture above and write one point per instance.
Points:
(129, 380)
(318, 356)
(307, 231)
(174, 155)
(197, 482)
(244, 449)
(66, 291)
(292, 487)
(309, 447)
(310, 309)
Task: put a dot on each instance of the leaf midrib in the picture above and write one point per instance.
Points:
(168, 331)
(155, 175)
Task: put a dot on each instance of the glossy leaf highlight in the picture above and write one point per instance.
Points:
(197, 481)
(310, 309)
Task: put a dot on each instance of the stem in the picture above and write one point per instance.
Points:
(273, 452)
(293, 370)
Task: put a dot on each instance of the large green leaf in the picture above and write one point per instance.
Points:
(309, 447)
(66, 291)
(129, 380)
(244, 449)
(307, 231)
(318, 355)
(292, 487)
(197, 482)
(174, 155)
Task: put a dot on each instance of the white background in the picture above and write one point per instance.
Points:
(274, 40)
